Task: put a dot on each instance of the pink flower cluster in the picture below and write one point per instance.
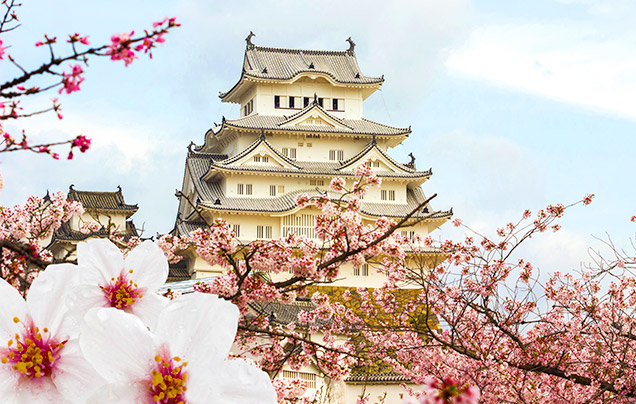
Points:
(121, 46)
(71, 81)
(30, 224)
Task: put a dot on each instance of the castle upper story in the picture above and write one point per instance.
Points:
(281, 82)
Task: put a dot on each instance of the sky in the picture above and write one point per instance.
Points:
(514, 105)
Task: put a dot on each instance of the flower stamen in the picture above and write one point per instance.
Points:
(34, 354)
(122, 292)
(168, 381)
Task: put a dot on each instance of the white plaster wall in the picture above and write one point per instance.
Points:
(305, 87)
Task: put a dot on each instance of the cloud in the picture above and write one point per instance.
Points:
(571, 61)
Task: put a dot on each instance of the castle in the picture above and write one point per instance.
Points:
(301, 124)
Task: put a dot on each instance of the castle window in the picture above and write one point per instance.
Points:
(277, 101)
(240, 189)
(248, 108)
(300, 224)
(248, 189)
(305, 101)
(375, 164)
(387, 195)
(321, 101)
(291, 102)
(257, 159)
(272, 190)
(237, 230)
(361, 270)
(308, 379)
(281, 189)
(309, 145)
(263, 231)
(336, 155)
(319, 183)
(289, 152)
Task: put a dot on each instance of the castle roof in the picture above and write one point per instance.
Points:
(103, 201)
(262, 63)
(66, 233)
(274, 123)
(222, 163)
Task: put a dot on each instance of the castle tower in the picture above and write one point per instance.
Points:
(301, 124)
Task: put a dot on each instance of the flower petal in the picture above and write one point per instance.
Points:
(190, 319)
(74, 376)
(84, 297)
(13, 305)
(242, 383)
(149, 265)
(117, 344)
(8, 382)
(229, 382)
(121, 393)
(101, 255)
(47, 299)
(148, 308)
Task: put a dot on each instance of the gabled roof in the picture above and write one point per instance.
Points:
(287, 203)
(372, 146)
(261, 141)
(283, 64)
(256, 122)
(313, 110)
(105, 201)
(204, 163)
(66, 233)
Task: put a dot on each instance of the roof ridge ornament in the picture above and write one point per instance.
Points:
(262, 137)
(352, 45)
(411, 163)
(190, 146)
(315, 99)
(250, 45)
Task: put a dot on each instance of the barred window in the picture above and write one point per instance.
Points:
(308, 379)
(237, 230)
(272, 190)
(263, 232)
(336, 155)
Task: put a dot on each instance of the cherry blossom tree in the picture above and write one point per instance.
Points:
(60, 74)
(23, 229)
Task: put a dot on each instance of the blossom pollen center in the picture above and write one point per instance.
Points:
(121, 292)
(32, 353)
(169, 381)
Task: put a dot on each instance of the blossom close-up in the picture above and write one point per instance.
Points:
(108, 279)
(183, 361)
(40, 359)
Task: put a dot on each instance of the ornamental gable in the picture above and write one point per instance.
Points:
(315, 116)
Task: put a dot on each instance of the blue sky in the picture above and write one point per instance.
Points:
(513, 104)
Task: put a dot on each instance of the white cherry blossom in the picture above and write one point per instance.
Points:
(109, 280)
(40, 359)
(183, 361)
